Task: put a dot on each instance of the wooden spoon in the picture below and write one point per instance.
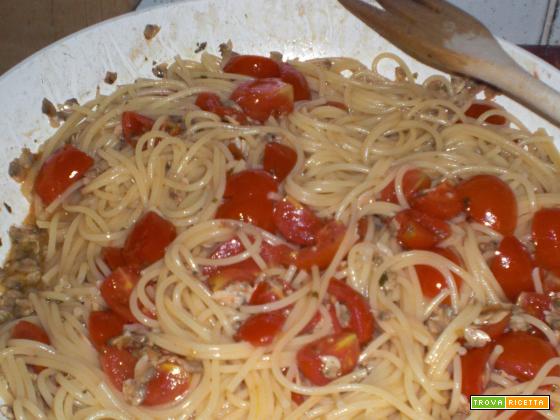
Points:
(443, 36)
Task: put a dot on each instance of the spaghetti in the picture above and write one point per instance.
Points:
(251, 238)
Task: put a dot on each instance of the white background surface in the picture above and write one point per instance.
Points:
(518, 21)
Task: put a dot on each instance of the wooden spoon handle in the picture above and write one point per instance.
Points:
(514, 80)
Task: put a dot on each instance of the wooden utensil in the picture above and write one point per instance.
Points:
(443, 36)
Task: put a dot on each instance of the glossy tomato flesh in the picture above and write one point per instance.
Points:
(118, 365)
(117, 288)
(263, 98)
(113, 257)
(60, 171)
(296, 222)
(279, 160)
(490, 201)
(134, 125)
(432, 281)
(329, 238)
(289, 74)
(170, 381)
(418, 230)
(477, 109)
(473, 370)
(261, 329)
(104, 325)
(252, 65)
(513, 266)
(546, 235)
(211, 102)
(441, 201)
(414, 180)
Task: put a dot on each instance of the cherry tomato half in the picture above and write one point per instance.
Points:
(211, 102)
(266, 292)
(113, 257)
(344, 347)
(473, 370)
(495, 329)
(329, 238)
(261, 329)
(296, 222)
(490, 201)
(279, 160)
(524, 355)
(546, 235)
(246, 198)
(441, 201)
(361, 318)
(477, 109)
(414, 180)
(263, 98)
(432, 281)
(104, 325)
(134, 125)
(252, 65)
(118, 365)
(420, 231)
(169, 382)
(25, 330)
(61, 170)
(289, 74)
(512, 266)
(535, 304)
(149, 238)
(117, 288)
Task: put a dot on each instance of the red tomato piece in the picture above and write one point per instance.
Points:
(527, 415)
(235, 151)
(441, 201)
(338, 105)
(289, 74)
(473, 370)
(261, 329)
(546, 235)
(279, 160)
(524, 355)
(265, 292)
(512, 266)
(431, 280)
(113, 257)
(60, 171)
(414, 180)
(477, 109)
(104, 325)
(496, 329)
(252, 65)
(275, 255)
(148, 240)
(361, 318)
(263, 98)
(343, 346)
(246, 198)
(170, 381)
(329, 238)
(134, 125)
(245, 271)
(117, 288)
(25, 330)
(296, 222)
(211, 102)
(535, 304)
(420, 231)
(490, 201)
(298, 399)
(118, 365)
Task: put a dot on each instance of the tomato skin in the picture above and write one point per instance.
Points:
(170, 381)
(490, 201)
(246, 198)
(113, 257)
(432, 281)
(361, 318)
(296, 222)
(118, 365)
(473, 367)
(524, 355)
(104, 325)
(279, 160)
(265, 293)
(329, 238)
(62, 169)
(134, 125)
(149, 238)
(414, 180)
(252, 65)
(527, 415)
(263, 98)
(261, 329)
(208, 101)
(546, 235)
(477, 109)
(535, 304)
(513, 266)
(496, 329)
(117, 288)
(25, 330)
(441, 201)
(344, 346)
(289, 74)
(417, 230)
